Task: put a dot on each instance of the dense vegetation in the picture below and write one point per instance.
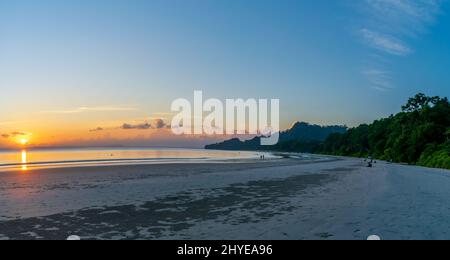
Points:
(420, 135)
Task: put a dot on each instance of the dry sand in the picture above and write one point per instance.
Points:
(328, 198)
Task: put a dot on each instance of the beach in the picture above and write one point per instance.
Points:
(321, 198)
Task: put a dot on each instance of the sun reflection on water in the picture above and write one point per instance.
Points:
(24, 160)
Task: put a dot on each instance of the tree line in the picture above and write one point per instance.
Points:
(419, 134)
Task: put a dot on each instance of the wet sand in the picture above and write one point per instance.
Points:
(328, 198)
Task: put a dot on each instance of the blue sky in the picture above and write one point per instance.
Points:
(329, 62)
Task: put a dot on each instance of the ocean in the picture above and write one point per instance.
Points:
(52, 158)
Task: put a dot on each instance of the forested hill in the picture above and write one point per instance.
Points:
(420, 134)
(302, 137)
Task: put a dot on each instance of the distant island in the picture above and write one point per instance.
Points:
(302, 137)
(419, 135)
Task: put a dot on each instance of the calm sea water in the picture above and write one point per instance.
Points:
(29, 159)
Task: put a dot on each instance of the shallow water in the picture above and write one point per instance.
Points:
(30, 159)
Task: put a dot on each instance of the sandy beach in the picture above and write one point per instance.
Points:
(326, 198)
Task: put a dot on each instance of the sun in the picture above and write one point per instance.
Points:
(21, 138)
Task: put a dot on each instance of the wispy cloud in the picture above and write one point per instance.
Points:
(381, 80)
(91, 109)
(389, 28)
(407, 17)
(385, 43)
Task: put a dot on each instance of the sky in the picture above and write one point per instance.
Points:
(105, 72)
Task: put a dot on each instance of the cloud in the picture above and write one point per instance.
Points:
(91, 109)
(159, 124)
(389, 24)
(143, 126)
(18, 134)
(15, 134)
(381, 80)
(408, 17)
(385, 43)
(389, 28)
(156, 124)
(98, 129)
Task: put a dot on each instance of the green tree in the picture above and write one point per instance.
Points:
(419, 102)
(420, 134)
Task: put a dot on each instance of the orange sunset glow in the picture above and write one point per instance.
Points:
(96, 129)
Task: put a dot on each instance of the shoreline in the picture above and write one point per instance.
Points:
(28, 160)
